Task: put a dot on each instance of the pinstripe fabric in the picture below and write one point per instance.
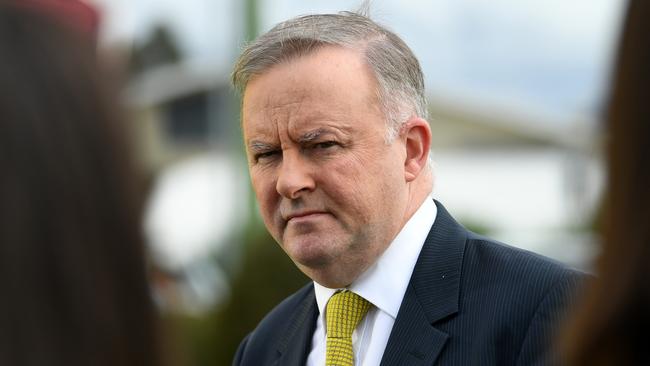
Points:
(345, 310)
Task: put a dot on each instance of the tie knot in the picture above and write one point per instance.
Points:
(345, 310)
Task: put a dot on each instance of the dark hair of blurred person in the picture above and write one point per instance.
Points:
(73, 286)
(611, 327)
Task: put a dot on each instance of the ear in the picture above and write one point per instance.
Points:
(416, 134)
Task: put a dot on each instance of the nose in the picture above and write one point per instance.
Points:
(294, 176)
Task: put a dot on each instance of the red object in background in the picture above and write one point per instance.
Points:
(75, 13)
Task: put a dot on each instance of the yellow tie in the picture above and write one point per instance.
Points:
(344, 311)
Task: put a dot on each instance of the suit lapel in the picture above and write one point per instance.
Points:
(432, 295)
(295, 343)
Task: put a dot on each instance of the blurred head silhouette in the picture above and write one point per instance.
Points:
(611, 328)
(72, 274)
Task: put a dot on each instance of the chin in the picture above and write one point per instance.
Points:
(310, 251)
(309, 257)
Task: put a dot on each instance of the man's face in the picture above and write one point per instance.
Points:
(331, 191)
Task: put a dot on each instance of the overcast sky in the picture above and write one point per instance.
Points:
(545, 56)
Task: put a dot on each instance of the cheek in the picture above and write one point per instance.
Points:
(349, 186)
(264, 187)
(267, 199)
(375, 183)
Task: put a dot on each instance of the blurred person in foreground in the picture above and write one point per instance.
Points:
(611, 327)
(334, 124)
(72, 272)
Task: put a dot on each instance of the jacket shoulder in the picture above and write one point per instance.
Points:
(513, 267)
(262, 343)
(511, 302)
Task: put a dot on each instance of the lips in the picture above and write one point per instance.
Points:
(303, 215)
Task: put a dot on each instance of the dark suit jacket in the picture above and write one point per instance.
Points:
(470, 301)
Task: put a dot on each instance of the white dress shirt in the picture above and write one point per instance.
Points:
(384, 285)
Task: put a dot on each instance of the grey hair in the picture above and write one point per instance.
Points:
(399, 76)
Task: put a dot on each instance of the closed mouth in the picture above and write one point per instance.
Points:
(298, 215)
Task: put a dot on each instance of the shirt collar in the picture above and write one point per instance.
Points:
(384, 283)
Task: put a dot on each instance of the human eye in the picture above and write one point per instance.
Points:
(326, 144)
(265, 156)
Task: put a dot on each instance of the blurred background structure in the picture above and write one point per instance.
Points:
(516, 92)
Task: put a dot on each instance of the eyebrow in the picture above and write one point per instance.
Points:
(256, 145)
(312, 135)
(306, 138)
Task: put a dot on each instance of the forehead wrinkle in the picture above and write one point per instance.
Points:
(256, 132)
(264, 119)
(317, 119)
